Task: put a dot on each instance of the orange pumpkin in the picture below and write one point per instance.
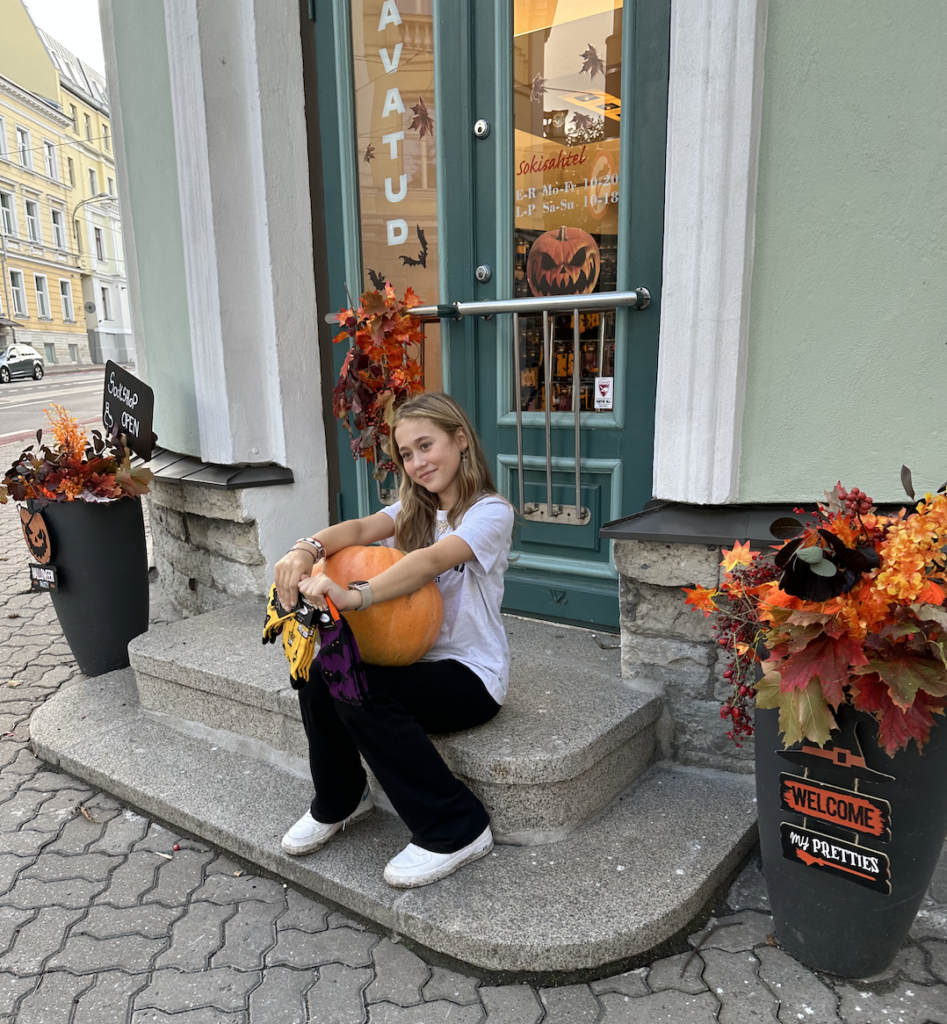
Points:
(396, 632)
(563, 262)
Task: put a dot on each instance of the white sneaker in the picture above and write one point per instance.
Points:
(309, 835)
(415, 866)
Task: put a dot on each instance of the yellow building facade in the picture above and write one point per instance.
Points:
(63, 287)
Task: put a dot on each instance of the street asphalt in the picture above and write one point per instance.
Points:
(109, 918)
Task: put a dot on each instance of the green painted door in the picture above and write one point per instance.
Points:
(548, 123)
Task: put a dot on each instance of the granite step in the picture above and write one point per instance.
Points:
(612, 890)
(571, 737)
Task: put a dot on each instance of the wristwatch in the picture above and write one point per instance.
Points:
(365, 589)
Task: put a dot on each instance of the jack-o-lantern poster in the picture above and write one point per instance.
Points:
(567, 117)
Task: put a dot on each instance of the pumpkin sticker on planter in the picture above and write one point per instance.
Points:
(36, 535)
(843, 807)
(823, 853)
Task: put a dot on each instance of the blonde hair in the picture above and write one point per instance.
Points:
(414, 527)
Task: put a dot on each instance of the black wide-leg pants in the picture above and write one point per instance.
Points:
(390, 730)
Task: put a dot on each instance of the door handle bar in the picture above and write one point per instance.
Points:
(637, 299)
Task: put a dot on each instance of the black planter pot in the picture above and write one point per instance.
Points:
(846, 878)
(99, 553)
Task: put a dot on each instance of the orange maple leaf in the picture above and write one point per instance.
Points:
(702, 598)
(740, 554)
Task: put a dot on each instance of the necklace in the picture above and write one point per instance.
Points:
(442, 526)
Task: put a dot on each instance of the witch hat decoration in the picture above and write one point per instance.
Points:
(843, 755)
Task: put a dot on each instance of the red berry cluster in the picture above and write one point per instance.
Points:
(855, 501)
(737, 623)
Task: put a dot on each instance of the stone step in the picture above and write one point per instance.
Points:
(571, 737)
(612, 890)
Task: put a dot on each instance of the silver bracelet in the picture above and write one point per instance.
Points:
(312, 542)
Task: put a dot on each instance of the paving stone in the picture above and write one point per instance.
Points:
(734, 980)
(12, 920)
(745, 930)
(281, 997)
(439, 1012)
(131, 880)
(49, 781)
(220, 888)
(38, 940)
(25, 843)
(151, 921)
(83, 954)
(248, 936)
(906, 1003)
(938, 955)
(76, 835)
(749, 891)
(511, 1004)
(178, 878)
(158, 838)
(571, 1004)
(10, 866)
(13, 988)
(205, 1015)
(109, 999)
(121, 831)
(222, 865)
(336, 997)
(303, 913)
(20, 809)
(337, 920)
(58, 809)
(801, 995)
(399, 975)
(22, 762)
(56, 867)
(52, 1000)
(669, 1007)
(336, 945)
(458, 988)
(223, 988)
(196, 936)
(666, 974)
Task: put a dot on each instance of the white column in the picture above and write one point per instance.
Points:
(716, 81)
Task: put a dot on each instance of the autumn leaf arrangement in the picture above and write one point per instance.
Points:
(849, 610)
(380, 371)
(74, 467)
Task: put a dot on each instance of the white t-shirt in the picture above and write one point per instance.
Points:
(472, 592)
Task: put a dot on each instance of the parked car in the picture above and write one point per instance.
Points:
(20, 361)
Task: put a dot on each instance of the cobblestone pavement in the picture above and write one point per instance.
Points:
(107, 917)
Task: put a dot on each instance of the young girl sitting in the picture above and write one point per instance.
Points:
(456, 530)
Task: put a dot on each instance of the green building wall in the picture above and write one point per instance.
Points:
(848, 335)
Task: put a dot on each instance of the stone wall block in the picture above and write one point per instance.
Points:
(700, 738)
(193, 562)
(668, 565)
(168, 520)
(240, 581)
(238, 542)
(685, 669)
(210, 502)
(662, 611)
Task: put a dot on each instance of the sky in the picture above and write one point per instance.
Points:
(75, 24)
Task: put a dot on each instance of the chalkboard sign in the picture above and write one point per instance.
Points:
(128, 408)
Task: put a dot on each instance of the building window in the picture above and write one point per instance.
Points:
(19, 292)
(32, 221)
(111, 186)
(50, 351)
(59, 229)
(93, 182)
(7, 214)
(99, 244)
(74, 353)
(106, 305)
(65, 295)
(4, 153)
(107, 142)
(72, 171)
(42, 296)
(88, 127)
(75, 117)
(49, 153)
(23, 148)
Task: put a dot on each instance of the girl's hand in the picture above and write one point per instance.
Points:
(289, 570)
(316, 588)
